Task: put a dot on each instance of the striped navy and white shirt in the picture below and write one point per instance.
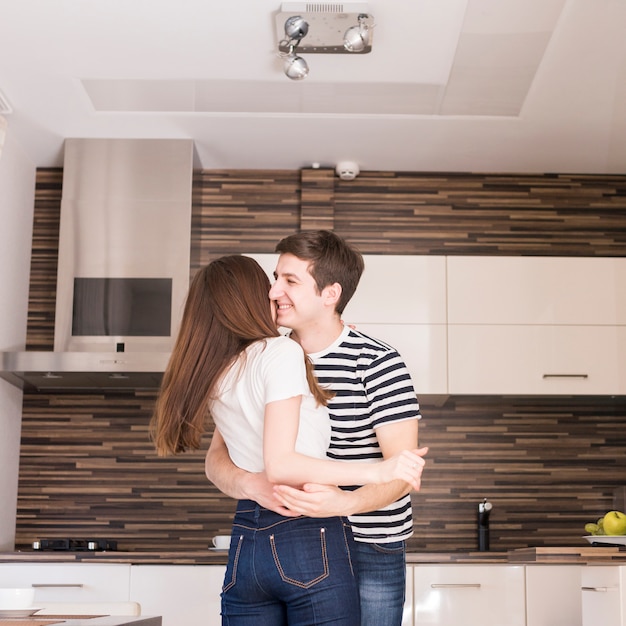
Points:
(373, 388)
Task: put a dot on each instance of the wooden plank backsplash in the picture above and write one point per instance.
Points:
(87, 467)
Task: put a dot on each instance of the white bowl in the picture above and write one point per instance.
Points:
(16, 598)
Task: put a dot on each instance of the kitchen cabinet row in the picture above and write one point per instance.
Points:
(495, 324)
(437, 595)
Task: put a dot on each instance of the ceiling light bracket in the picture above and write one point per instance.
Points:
(327, 27)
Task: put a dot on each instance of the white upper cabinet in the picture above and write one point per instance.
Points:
(536, 325)
(536, 290)
(400, 290)
(402, 301)
(497, 325)
(394, 289)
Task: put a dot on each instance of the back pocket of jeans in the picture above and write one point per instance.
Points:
(230, 577)
(301, 556)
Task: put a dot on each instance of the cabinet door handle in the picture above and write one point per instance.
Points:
(56, 585)
(455, 585)
(602, 589)
(566, 375)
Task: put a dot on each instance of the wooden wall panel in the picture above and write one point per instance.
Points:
(548, 464)
(317, 205)
(235, 211)
(416, 213)
(43, 263)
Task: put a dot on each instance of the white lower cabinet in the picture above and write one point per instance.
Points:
(70, 582)
(181, 594)
(408, 618)
(553, 595)
(190, 594)
(604, 595)
(469, 595)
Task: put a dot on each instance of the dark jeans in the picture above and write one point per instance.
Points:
(289, 571)
(381, 570)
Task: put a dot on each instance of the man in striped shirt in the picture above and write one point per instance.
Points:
(374, 415)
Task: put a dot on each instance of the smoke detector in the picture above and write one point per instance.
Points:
(347, 170)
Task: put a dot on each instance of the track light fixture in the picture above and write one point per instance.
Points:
(310, 28)
(295, 67)
(296, 28)
(357, 37)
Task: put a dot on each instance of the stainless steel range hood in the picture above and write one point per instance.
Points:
(86, 371)
(123, 267)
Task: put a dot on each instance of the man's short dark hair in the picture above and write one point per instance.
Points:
(332, 260)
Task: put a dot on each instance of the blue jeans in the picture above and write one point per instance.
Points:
(381, 569)
(289, 571)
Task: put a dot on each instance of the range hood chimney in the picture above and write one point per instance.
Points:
(123, 266)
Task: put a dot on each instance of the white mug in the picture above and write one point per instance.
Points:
(221, 542)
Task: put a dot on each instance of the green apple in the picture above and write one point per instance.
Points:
(591, 528)
(614, 523)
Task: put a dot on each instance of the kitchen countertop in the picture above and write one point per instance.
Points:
(546, 555)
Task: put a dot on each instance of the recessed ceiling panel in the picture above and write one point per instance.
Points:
(233, 97)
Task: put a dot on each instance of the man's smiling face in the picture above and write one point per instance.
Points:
(298, 301)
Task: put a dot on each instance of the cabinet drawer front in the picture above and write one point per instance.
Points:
(70, 582)
(423, 348)
(553, 595)
(470, 595)
(548, 360)
(604, 595)
(181, 594)
(536, 290)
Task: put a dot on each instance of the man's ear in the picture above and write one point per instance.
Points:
(332, 294)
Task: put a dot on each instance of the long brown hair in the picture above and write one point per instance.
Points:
(227, 309)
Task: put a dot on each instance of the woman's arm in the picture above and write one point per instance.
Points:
(238, 483)
(284, 465)
(316, 500)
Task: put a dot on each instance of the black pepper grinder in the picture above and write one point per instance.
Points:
(484, 508)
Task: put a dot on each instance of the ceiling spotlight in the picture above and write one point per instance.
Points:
(295, 67)
(357, 38)
(296, 27)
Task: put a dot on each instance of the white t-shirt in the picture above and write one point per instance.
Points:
(274, 370)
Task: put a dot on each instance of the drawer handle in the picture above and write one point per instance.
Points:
(566, 375)
(602, 589)
(455, 585)
(56, 585)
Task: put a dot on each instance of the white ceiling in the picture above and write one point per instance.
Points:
(450, 85)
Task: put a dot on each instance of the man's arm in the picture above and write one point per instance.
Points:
(325, 501)
(236, 482)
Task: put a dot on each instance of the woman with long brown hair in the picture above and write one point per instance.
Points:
(230, 363)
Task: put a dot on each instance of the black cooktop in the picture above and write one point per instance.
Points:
(74, 545)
